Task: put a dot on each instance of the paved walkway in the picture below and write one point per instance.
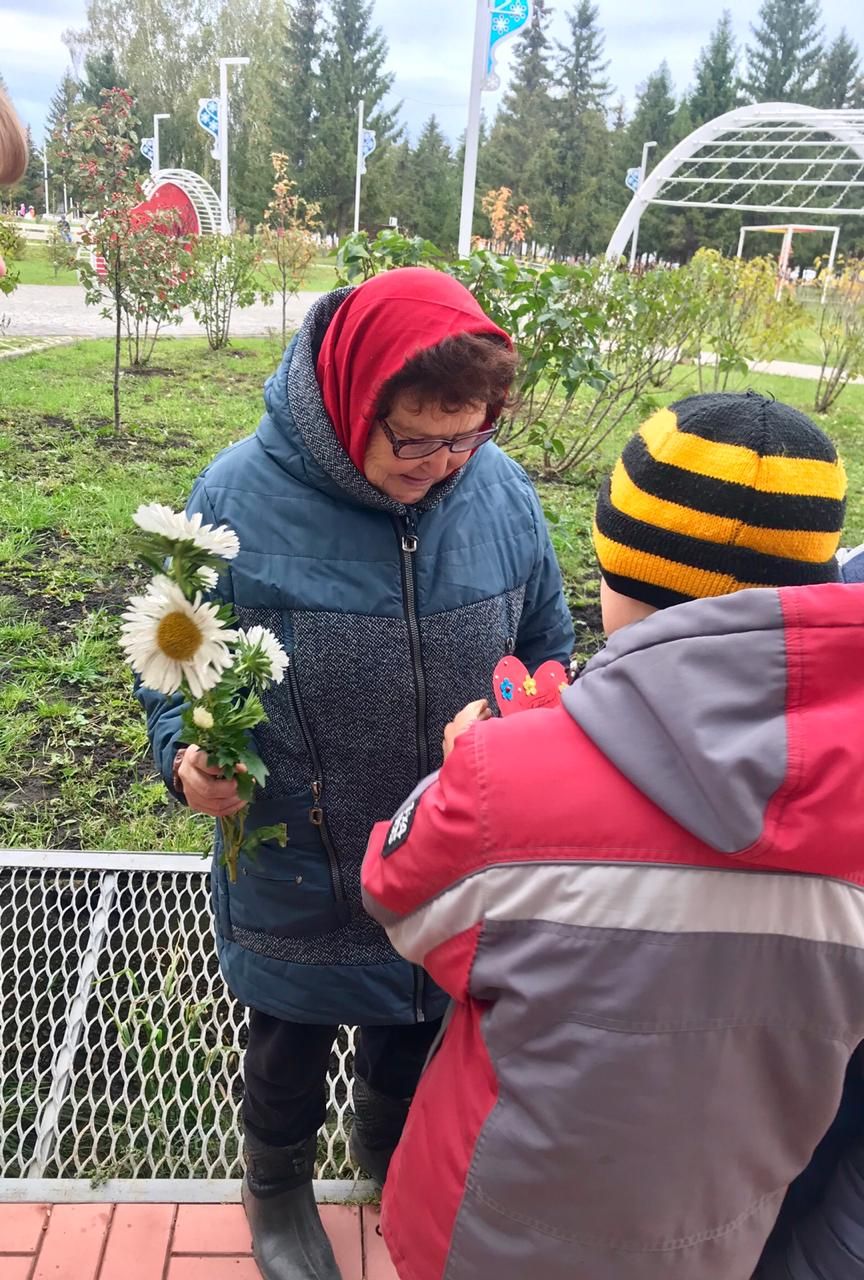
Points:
(164, 1242)
(59, 310)
(48, 310)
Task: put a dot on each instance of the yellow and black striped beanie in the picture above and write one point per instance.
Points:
(717, 493)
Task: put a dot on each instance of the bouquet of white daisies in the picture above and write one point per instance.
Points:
(178, 641)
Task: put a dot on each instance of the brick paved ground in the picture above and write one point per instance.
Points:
(164, 1242)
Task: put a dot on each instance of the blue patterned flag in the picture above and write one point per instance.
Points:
(633, 181)
(148, 149)
(508, 17)
(370, 142)
(208, 118)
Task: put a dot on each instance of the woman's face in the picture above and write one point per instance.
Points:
(408, 480)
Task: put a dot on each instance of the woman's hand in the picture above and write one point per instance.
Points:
(205, 787)
(474, 712)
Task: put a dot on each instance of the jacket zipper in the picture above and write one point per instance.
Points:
(317, 816)
(409, 542)
(419, 993)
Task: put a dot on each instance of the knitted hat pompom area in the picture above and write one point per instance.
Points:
(717, 493)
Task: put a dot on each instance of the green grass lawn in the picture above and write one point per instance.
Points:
(73, 752)
(35, 268)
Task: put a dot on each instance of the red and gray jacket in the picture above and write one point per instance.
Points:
(647, 906)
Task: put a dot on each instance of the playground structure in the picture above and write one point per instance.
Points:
(178, 203)
(192, 202)
(777, 158)
(788, 231)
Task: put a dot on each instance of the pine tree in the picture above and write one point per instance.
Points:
(838, 74)
(717, 87)
(784, 59)
(519, 154)
(579, 222)
(581, 68)
(63, 103)
(434, 209)
(352, 67)
(654, 116)
(297, 103)
(100, 72)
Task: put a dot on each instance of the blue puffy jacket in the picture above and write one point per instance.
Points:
(394, 618)
(853, 568)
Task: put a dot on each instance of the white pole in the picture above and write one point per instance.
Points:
(224, 64)
(359, 176)
(225, 225)
(741, 242)
(642, 176)
(45, 170)
(832, 258)
(783, 265)
(162, 115)
(482, 27)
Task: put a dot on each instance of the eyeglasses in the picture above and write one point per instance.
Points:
(425, 448)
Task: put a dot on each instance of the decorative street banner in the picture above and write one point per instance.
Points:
(508, 17)
(148, 149)
(370, 142)
(633, 181)
(208, 118)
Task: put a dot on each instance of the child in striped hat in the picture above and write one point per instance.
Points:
(718, 493)
(647, 903)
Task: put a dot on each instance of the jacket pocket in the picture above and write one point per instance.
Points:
(286, 892)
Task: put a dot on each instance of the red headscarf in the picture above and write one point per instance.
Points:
(376, 331)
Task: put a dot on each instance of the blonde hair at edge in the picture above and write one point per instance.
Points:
(13, 144)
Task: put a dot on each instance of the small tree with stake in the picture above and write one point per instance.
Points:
(285, 236)
(137, 264)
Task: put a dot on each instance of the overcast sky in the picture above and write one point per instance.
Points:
(430, 47)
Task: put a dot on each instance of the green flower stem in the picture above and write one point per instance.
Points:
(233, 830)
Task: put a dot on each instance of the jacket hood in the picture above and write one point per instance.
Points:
(298, 434)
(741, 717)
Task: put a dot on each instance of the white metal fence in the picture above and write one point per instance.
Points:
(120, 1047)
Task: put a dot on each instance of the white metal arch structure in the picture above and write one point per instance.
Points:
(774, 157)
(200, 193)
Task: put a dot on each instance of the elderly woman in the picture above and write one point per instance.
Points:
(398, 554)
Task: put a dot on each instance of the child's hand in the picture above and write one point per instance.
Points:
(471, 714)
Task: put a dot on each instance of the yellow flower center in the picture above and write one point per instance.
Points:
(178, 636)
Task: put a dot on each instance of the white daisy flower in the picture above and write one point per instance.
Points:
(207, 577)
(166, 637)
(263, 639)
(202, 718)
(219, 540)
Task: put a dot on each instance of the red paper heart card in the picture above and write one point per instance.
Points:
(516, 690)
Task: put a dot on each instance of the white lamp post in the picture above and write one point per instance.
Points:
(359, 175)
(482, 27)
(224, 64)
(162, 115)
(643, 175)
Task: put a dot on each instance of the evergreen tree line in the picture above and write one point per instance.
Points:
(561, 141)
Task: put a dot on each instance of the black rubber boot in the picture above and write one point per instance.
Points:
(288, 1237)
(378, 1125)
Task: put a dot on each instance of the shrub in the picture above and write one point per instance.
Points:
(224, 276)
(841, 331)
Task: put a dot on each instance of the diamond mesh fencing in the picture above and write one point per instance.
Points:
(120, 1047)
